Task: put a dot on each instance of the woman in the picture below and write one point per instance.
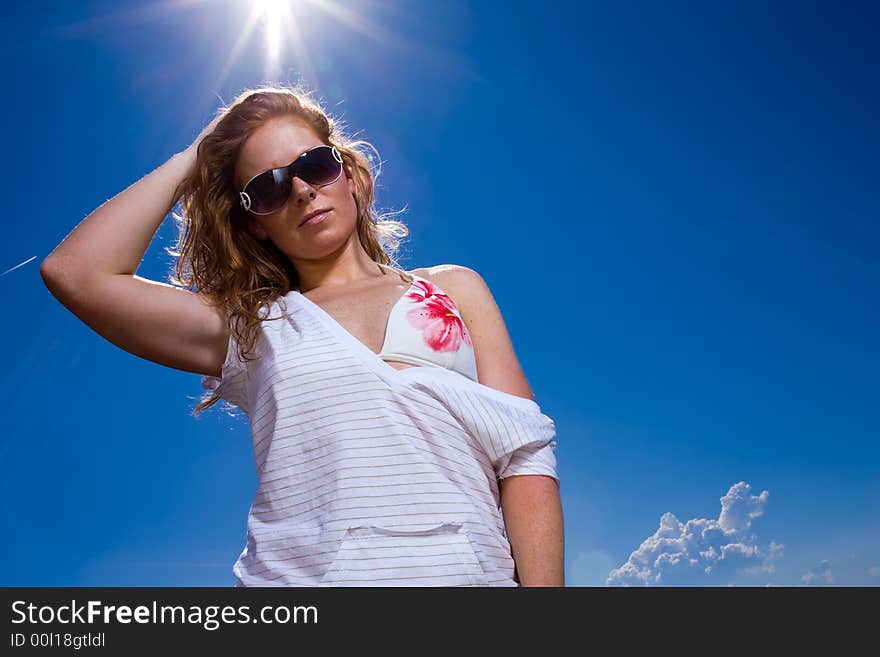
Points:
(395, 437)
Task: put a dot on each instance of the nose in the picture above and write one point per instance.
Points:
(301, 192)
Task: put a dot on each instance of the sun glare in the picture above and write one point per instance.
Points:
(276, 14)
(273, 10)
(283, 26)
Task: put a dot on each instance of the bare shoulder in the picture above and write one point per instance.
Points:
(497, 363)
(454, 279)
(463, 284)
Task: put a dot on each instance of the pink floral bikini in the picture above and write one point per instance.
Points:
(425, 328)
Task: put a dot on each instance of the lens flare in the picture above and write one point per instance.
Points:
(274, 13)
(284, 25)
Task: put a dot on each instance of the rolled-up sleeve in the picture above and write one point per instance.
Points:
(530, 460)
(510, 430)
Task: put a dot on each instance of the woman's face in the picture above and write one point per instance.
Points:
(277, 143)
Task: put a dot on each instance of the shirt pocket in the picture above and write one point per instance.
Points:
(370, 555)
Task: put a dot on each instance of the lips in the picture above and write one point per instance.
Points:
(313, 214)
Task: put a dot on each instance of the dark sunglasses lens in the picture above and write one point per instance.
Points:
(319, 166)
(269, 191)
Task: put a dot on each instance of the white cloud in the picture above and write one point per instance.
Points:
(703, 551)
(819, 576)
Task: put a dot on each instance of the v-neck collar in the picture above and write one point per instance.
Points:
(392, 375)
(371, 358)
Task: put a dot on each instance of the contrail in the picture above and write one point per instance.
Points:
(17, 266)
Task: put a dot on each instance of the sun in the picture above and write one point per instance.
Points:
(275, 13)
(284, 25)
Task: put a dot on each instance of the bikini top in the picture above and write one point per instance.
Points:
(425, 328)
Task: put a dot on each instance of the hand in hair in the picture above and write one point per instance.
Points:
(193, 148)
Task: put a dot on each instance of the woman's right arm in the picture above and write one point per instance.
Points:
(92, 273)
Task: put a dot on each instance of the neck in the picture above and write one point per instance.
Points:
(349, 266)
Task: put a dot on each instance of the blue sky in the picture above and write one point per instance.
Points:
(675, 208)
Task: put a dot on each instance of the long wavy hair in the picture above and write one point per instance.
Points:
(217, 255)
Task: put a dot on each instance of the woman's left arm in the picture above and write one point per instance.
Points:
(530, 504)
(533, 518)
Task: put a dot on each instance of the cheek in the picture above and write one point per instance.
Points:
(255, 227)
(343, 197)
(351, 192)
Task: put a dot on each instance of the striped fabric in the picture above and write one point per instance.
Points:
(369, 475)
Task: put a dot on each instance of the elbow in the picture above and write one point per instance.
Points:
(48, 272)
(52, 274)
(59, 279)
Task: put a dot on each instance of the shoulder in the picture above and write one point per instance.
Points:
(456, 280)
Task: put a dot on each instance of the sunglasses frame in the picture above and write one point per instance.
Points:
(245, 198)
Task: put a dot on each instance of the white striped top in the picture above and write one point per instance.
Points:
(369, 475)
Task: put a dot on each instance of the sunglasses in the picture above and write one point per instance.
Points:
(268, 191)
